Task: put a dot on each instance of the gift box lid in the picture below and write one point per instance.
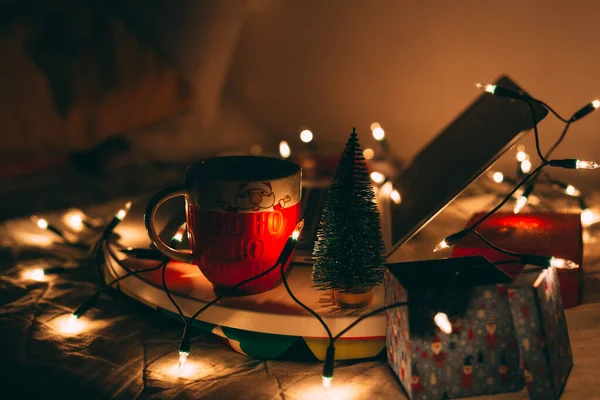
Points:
(448, 273)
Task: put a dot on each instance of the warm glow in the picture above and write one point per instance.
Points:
(368, 154)
(327, 382)
(525, 166)
(189, 369)
(589, 217)
(441, 246)
(69, 324)
(386, 189)
(521, 156)
(378, 133)
(442, 321)
(562, 263)
(377, 177)
(521, 202)
(572, 191)
(595, 103)
(298, 229)
(306, 136)
(42, 223)
(74, 219)
(395, 196)
(374, 126)
(586, 165)
(284, 149)
(35, 274)
(498, 177)
(309, 390)
(488, 88)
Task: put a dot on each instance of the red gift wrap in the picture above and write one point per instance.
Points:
(545, 234)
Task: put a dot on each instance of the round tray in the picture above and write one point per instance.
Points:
(267, 325)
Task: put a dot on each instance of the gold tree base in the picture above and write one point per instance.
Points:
(353, 300)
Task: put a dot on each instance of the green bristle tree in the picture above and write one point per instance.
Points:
(349, 247)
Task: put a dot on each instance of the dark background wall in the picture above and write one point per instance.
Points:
(274, 66)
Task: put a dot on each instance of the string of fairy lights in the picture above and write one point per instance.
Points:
(531, 176)
(102, 248)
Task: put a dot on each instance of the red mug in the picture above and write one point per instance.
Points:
(240, 211)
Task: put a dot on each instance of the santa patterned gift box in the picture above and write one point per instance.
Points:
(479, 356)
(541, 327)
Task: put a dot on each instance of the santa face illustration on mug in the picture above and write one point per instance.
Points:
(255, 196)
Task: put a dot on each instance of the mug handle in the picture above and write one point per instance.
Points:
(153, 205)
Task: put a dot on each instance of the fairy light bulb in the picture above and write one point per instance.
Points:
(572, 191)
(377, 177)
(298, 230)
(42, 223)
(178, 236)
(588, 217)
(525, 166)
(442, 322)
(122, 213)
(284, 149)
(386, 189)
(45, 225)
(521, 202)
(74, 219)
(36, 274)
(502, 91)
(378, 133)
(498, 177)
(581, 164)
(562, 263)
(368, 154)
(585, 110)
(306, 136)
(290, 244)
(328, 365)
(395, 196)
(41, 274)
(182, 360)
(374, 126)
(521, 156)
(450, 241)
(441, 246)
(486, 87)
(184, 348)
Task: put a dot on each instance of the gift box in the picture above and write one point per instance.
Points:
(541, 327)
(478, 355)
(545, 234)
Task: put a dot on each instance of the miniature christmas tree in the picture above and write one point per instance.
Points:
(349, 247)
